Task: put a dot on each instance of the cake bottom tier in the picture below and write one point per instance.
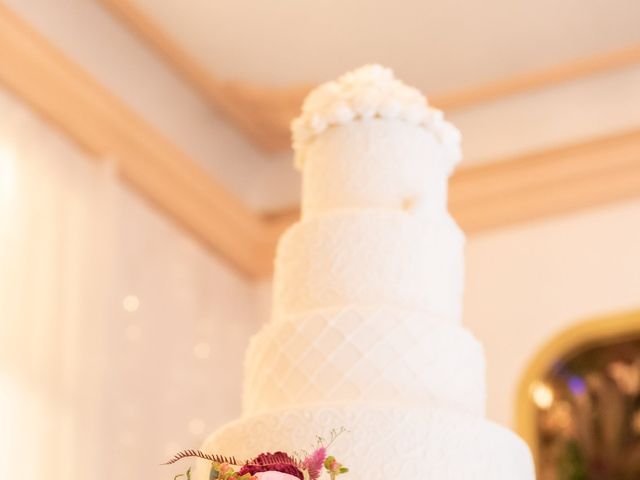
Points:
(383, 442)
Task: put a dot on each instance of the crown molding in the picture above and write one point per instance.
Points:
(264, 114)
(483, 197)
(547, 183)
(538, 79)
(101, 124)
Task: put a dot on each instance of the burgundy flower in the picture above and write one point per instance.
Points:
(278, 462)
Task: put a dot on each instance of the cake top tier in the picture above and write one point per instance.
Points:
(369, 92)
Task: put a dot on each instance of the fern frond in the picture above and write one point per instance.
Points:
(205, 456)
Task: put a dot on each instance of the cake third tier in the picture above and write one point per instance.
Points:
(367, 356)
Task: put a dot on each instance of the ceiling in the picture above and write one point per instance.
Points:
(437, 46)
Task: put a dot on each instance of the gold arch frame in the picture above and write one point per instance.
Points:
(601, 328)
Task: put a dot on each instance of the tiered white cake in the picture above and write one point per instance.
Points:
(366, 331)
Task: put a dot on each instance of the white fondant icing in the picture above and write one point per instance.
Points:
(370, 258)
(373, 355)
(384, 442)
(375, 164)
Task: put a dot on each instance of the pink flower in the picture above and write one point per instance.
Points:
(313, 463)
(274, 475)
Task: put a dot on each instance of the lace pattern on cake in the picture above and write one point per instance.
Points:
(370, 257)
(375, 164)
(385, 442)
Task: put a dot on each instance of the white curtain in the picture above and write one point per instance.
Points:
(121, 339)
(56, 226)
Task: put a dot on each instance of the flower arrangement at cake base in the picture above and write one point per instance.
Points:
(270, 466)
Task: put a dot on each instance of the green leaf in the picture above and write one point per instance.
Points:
(213, 473)
(329, 461)
(186, 474)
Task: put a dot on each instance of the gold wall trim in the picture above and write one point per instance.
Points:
(264, 113)
(537, 185)
(581, 334)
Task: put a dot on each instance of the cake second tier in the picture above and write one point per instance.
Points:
(370, 257)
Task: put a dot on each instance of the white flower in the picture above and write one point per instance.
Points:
(318, 124)
(413, 113)
(365, 93)
(450, 134)
(434, 117)
(366, 102)
(390, 109)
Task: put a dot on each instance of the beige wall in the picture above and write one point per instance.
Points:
(527, 283)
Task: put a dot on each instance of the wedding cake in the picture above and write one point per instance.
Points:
(366, 331)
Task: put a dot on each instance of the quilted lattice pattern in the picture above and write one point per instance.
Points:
(384, 443)
(374, 257)
(374, 355)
